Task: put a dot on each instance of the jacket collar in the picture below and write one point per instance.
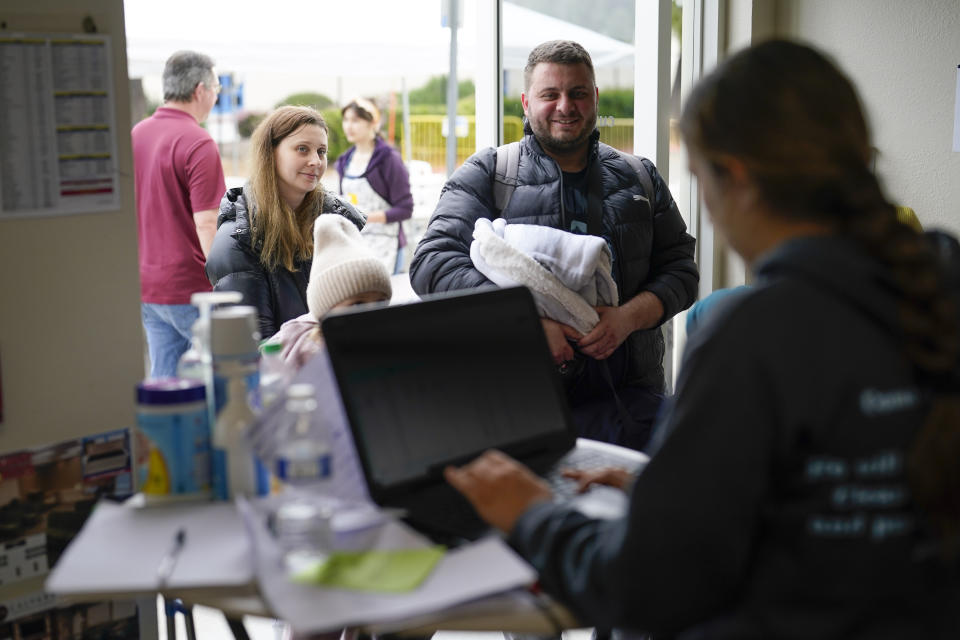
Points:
(380, 151)
(235, 208)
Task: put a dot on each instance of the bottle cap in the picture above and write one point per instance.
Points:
(207, 299)
(234, 332)
(170, 391)
(271, 347)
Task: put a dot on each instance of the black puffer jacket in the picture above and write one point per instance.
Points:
(234, 263)
(651, 253)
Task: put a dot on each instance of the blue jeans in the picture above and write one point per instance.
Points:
(168, 335)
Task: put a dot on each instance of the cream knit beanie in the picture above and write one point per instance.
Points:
(343, 266)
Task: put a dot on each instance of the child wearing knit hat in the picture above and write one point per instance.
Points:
(344, 273)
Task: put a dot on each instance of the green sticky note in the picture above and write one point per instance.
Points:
(394, 571)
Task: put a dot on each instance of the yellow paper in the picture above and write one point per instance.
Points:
(393, 571)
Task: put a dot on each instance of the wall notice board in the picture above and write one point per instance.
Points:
(58, 130)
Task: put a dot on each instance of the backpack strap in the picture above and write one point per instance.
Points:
(642, 174)
(508, 167)
(505, 175)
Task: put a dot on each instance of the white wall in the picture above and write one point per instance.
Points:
(903, 57)
(71, 346)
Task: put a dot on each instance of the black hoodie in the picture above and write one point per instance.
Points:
(776, 505)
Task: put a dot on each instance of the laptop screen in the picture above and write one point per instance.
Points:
(436, 381)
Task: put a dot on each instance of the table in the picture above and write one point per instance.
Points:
(116, 554)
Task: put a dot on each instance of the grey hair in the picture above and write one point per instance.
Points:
(557, 52)
(182, 73)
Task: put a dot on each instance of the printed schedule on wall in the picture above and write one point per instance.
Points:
(58, 148)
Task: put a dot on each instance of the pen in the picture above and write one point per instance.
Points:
(167, 563)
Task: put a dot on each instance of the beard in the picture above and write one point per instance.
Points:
(563, 145)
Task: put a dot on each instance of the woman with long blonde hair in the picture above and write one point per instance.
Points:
(264, 242)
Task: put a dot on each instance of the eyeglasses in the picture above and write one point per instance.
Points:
(215, 88)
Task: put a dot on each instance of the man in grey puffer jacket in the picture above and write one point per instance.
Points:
(568, 180)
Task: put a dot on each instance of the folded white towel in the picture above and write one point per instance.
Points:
(569, 274)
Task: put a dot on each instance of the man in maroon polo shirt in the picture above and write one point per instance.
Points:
(179, 182)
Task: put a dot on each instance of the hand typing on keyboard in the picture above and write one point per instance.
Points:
(499, 488)
(610, 476)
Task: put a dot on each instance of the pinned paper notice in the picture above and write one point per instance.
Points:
(956, 115)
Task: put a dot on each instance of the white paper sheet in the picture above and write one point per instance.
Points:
(482, 568)
(120, 548)
(59, 151)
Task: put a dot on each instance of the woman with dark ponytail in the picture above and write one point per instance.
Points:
(806, 479)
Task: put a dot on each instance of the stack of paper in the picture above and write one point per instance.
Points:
(120, 549)
(479, 569)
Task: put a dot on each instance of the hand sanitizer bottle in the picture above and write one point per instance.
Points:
(234, 335)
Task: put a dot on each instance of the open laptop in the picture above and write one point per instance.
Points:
(437, 382)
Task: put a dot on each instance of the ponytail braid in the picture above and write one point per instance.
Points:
(931, 339)
(803, 137)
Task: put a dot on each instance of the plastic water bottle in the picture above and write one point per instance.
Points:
(273, 373)
(303, 466)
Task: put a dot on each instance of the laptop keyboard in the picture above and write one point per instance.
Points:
(565, 489)
(447, 518)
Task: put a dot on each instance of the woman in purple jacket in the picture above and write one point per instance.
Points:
(374, 179)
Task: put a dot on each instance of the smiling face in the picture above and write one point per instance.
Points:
(357, 129)
(301, 159)
(561, 106)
